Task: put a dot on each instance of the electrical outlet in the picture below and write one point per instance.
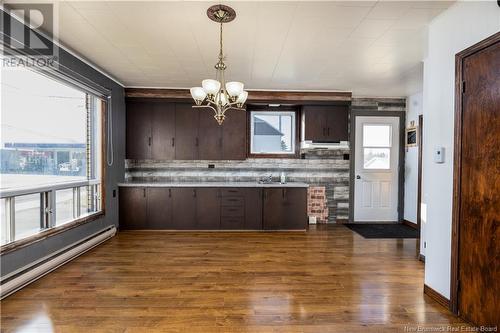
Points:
(114, 193)
(211, 166)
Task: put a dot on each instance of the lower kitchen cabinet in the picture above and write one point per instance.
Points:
(133, 207)
(207, 208)
(285, 208)
(183, 208)
(204, 208)
(159, 212)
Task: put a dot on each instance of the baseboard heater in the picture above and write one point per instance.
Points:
(24, 276)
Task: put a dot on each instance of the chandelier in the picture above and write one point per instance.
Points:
(217, 94)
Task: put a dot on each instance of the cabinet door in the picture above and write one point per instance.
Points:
(234, 134)
(209, 135)
(163, 131)
(184, 208)
(159, 208)
(315, 122)
(138, 130)
(133, 205)
(207, 208)
(253, 209)
(285, 208)
(337, 123)
(186, 132)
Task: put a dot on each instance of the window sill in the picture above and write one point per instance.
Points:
(293, 156)
(16, 245)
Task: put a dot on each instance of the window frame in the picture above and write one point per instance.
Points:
(265, 108)
(99, 181)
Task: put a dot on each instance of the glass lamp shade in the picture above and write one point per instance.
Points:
(242, 97)
(234, 88)
(198, 93)
(210, 86)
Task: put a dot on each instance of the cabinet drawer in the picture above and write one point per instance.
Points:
(228, 223)
(233, 211)
(231, 192)
(233, 201)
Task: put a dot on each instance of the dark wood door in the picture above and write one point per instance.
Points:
(163, 131)
(234, 134)
(138, 130)
(133, 208)
(186, 132)
(184, 208)
(337, 118)
(285, 208)
(315, 122)
(208, 208)
(210, 136)
(479, 194)
(159, 208)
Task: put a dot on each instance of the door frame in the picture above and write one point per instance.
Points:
(401, 160)
(457, 164)
(419, 174)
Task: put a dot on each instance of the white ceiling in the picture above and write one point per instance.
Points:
(373, 48)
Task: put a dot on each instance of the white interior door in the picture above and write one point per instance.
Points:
(376, 169)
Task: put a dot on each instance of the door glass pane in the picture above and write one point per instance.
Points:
(64, 206)
(377, 135)
(376, 158)
(27, 215)
(4, 237)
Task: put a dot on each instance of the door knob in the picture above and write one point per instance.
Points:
(358, 177)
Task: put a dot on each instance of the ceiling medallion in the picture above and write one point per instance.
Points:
(216, 94)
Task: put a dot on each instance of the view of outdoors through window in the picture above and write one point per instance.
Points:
(50, 134)
(273, 132)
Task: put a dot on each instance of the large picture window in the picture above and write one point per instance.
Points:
(51, 153)
(272, 132)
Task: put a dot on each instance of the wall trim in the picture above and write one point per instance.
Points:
(436, 296)
(410, 224)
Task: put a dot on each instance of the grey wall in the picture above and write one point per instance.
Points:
(14, 260)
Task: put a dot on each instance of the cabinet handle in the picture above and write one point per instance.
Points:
(283, 193)
(328, 132)
(144, 192)
(149, 141)
(197, 142)
(169, 193)
(194, 193)
(173, 142)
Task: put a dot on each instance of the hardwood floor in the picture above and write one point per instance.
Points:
(325, 280)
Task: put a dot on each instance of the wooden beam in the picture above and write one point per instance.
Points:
(254, 96)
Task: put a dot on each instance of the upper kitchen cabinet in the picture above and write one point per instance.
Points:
(138, 133)
(326, 123)
(234, 134)
(186, 132)
(150, 130)
(210, 136)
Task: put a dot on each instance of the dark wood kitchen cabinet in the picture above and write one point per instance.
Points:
(326, 123)
(234, 136)
(208, 208)
(138, 130)
(186, 132)
(159, 212)
(210, 136)
(133, 207)
(150, 130)
(285, 208)
(184, 208)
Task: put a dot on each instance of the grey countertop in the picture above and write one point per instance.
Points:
(209, 184)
